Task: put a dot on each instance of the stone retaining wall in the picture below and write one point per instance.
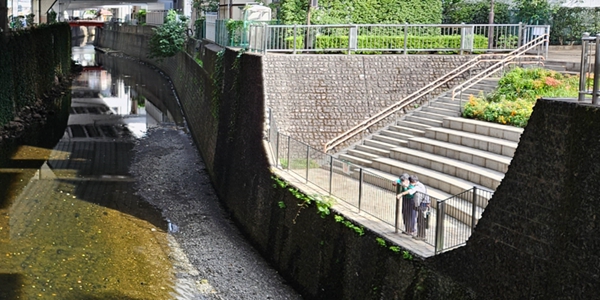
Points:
(317, 97)
(537, 238)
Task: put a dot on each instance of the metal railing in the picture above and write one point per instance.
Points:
(434, 85)
(589, 73)
(537, 45)
(392, 38)
(451, 220)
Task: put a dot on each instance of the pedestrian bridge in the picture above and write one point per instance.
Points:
(86, 23)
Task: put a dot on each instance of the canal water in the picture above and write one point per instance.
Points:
(71, 224)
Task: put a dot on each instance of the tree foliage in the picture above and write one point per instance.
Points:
(534, 11)
(362, 12)
(169, 38)
(460, 11)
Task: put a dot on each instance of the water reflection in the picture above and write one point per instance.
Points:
(71, 226)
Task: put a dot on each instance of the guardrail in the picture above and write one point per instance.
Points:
(391, 38)
(431, 87)
(451, 220)
(589, 72)
(537, 45)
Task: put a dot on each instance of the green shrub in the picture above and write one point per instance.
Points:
(362, 12)
(389, 42)
(512, 102)
(169, 38)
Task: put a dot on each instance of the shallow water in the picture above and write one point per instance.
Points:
(71, 224)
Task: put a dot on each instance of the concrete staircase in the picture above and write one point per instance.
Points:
(450, 154)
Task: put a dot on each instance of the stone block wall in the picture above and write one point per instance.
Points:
(538, 237)
(317, 97)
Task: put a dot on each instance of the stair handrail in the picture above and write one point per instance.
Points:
(518, 53)
(350, 133)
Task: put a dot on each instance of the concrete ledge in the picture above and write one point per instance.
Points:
(500, 131)
(477, 141)
(481, 158)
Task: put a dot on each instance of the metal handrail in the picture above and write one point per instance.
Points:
(518, 53)
(423, 92)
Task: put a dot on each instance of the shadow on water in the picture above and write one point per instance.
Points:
(41, 135)
(10, 286)
(68, 205)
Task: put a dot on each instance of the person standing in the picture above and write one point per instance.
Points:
(409, 215)
(421, 204)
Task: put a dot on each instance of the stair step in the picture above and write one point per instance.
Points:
(425, 121)
(379, 144)
(409, 124)
(449, 105)
(362, 154)
(429, 115)
(430, 178)
(407, 130)
(506, 132)
(355, 160)
(473, 173)
(396, 134)
(477, 141)
(390, 140)
(373, 150)
(442, 110)
(481, 158)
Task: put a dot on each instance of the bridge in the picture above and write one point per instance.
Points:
(87, 23)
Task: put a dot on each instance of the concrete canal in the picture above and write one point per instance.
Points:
(116, 203)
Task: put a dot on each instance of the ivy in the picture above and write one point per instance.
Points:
(217, 84)
(358, 229)
(323, 203)
(30, 61)
(405, 254)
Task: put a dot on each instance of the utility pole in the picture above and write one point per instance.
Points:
(491, 29)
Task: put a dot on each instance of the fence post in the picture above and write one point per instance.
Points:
(330, 173)
(307, 161)
(360, 187)
(288, 154)
(294, 40)
(439, 226)
(277, 164)
(396, 223)
(520, 36)
(596, 71)
(462, 38)
(474, 210)
(352, 38)
(405, 37)
(582, 73)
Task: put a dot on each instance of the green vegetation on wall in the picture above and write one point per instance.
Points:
(169, 38)
(363, 12)
(30, 63)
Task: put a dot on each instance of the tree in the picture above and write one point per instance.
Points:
(169, 38)
(534, 11)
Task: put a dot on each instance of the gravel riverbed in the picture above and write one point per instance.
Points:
(222, 265)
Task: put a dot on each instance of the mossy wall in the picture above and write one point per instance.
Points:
(31, 61)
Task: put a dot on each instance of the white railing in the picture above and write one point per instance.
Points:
(431, 87)
(392, 38)
(210, 27)
(156, 17)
